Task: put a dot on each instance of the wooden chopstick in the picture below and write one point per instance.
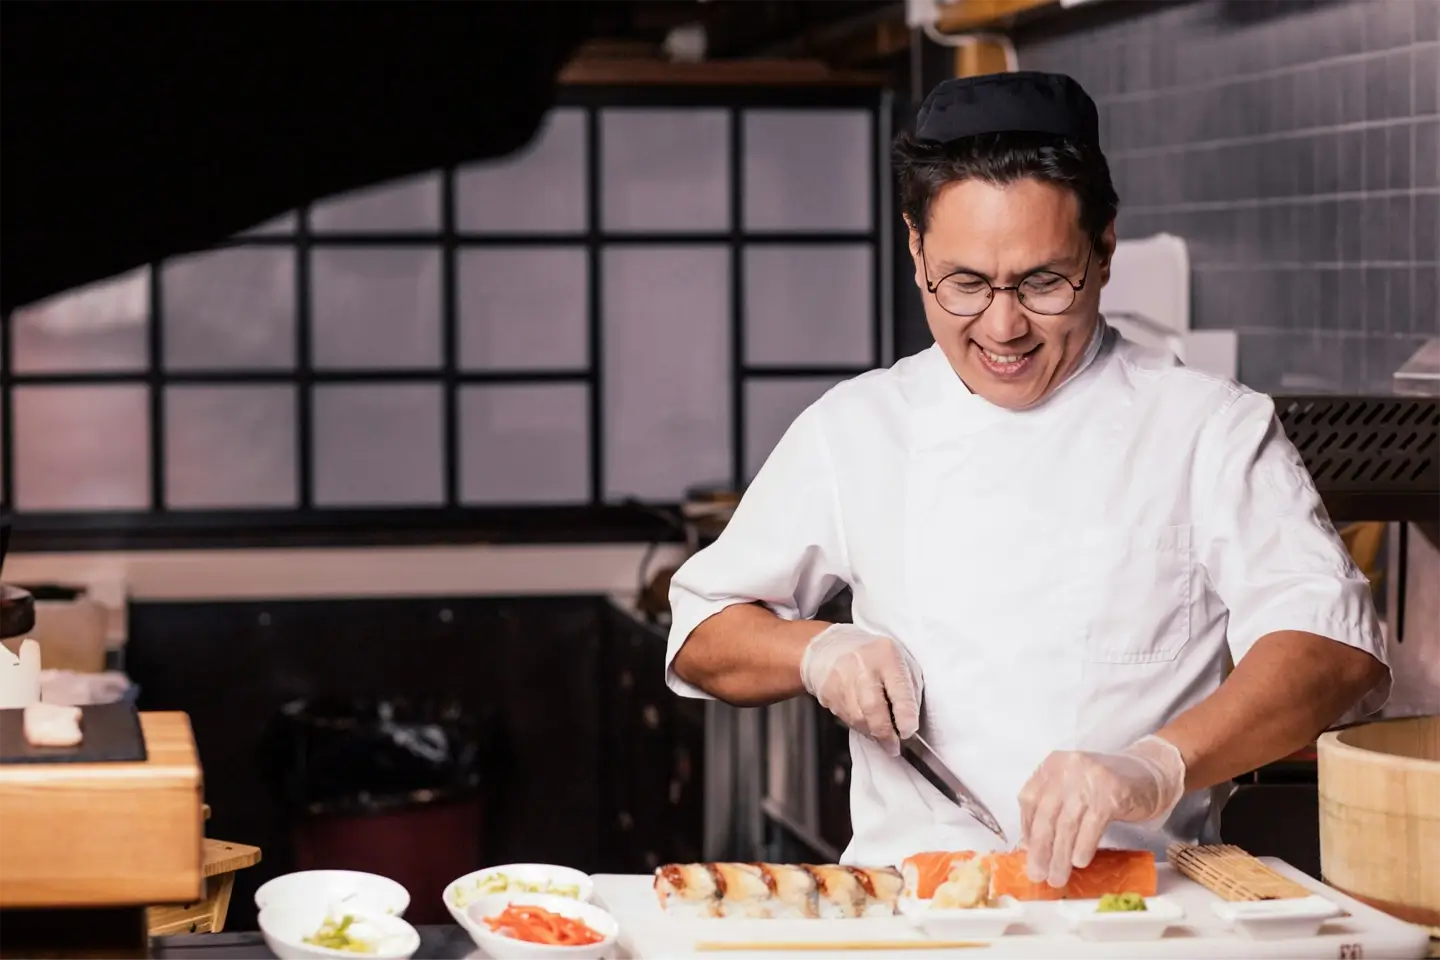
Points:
(762, 946)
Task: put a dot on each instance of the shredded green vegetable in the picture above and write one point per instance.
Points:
(333, 935)
(502, 883)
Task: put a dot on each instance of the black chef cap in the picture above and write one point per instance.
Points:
(1026, 102)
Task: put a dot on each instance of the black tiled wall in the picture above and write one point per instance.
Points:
(1293, 144)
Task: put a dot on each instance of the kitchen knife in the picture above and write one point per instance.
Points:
(923, 758)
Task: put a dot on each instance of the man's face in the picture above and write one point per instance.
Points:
(1011, 356)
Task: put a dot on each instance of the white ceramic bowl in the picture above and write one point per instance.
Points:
(526, 873)
(473, 920)
(979, 922)
(1278, 919)
(367, 893)
(285, 925)
(1159, 915)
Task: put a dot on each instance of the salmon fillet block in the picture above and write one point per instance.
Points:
(1112, 871)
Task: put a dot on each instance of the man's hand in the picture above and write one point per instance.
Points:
(870, 682)
(1074, 795)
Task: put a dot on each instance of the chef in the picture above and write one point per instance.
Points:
(1102, 585)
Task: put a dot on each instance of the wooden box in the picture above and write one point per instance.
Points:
(105, 834)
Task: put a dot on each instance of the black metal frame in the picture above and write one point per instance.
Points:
(599, 521)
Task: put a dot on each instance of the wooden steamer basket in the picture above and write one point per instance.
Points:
(1380, 815)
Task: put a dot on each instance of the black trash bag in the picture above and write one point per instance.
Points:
(342, 756)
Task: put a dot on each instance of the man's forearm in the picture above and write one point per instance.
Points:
(747, 656)
(1281, 695)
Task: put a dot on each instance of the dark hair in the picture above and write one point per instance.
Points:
(924, 166)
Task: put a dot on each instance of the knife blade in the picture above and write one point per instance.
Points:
(920, 755)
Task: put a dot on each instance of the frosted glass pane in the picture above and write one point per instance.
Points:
(666, 370)
(82, 448)
(525, 443)
(375, 308)
(400, 205)
(539, 188)
(230, 310)
(279, 226)
(230, 446)
(524, 309)
(808, 170)
(100, 326)
(809, 306)
(770, 407)
(378, 445)
(665, 170)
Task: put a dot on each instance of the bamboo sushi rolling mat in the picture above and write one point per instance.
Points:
(1232, 874)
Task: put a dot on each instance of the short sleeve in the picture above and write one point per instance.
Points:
(1267, 543)
(783, 547)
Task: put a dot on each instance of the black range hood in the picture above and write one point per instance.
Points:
(131, 131)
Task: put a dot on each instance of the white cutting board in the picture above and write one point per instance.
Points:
(647, 934)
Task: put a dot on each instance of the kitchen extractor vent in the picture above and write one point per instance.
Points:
(1373, 458)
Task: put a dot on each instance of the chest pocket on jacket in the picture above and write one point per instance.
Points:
(1131, 593)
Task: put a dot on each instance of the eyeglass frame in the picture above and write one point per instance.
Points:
(1014, 288)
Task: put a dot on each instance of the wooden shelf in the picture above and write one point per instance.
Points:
(964, 16)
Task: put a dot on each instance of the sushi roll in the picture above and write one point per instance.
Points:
(687, 890)
(882, 892)
(925, 872)
(746, 890)
(775, 891)
(849, 892)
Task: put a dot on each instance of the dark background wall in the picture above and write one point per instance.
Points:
(1293, 143)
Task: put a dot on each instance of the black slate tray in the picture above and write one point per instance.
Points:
(111, 735)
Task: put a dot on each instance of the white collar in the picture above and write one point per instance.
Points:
(953, 387)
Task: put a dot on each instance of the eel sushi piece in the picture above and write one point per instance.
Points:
(687, 890)
(776, 891)
(849, 892)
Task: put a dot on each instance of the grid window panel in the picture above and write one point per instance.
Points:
(524, 309)
(810, 306)
(770, 407)
(400, 206)
(667, 384)
(281, 226)
(101, 327)
(665, 170)
(809, 170)
(538, 189)
(378, 445)
(82, 447)
(231, 309)
(525, 444)
(375, 308)
(230, 447)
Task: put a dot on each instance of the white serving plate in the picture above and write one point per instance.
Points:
(978, 922)
(1277, 919)
(647, 933)
(357, 892)
(285, 925)
(539, 873)
(1084, 918)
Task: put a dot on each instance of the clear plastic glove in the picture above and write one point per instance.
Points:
(870, 682)
(1074, 795)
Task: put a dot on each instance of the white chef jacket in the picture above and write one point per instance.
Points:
(1068, 577)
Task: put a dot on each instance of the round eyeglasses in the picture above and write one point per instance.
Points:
(967, 294)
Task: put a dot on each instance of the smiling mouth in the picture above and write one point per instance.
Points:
(1006, 364)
